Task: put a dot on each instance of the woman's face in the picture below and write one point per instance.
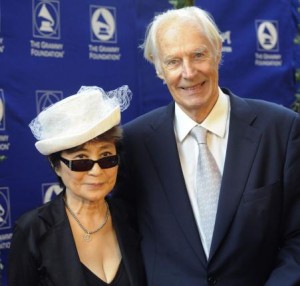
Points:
(92, 185)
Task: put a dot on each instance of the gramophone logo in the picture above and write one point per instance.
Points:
(5, 220)
(267, 35)
(45, 98)
(2, 111)
(103, 24)
(46, 19)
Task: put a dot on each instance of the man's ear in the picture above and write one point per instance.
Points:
(219, 56)
(160, 75)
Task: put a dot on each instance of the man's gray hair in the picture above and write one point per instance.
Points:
(192, 14)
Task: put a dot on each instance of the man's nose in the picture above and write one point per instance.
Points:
(188, 69)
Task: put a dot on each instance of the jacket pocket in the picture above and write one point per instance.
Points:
(263, 192)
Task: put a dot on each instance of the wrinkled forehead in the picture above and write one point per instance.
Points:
(186, 37)
(177, 26)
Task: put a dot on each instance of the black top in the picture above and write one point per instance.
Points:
(121, 278)
(44, 235)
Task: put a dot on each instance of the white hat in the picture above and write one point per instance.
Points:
(78, 118)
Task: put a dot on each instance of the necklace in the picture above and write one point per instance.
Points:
(87, 234)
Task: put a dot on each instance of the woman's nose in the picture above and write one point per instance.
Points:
(96, 169)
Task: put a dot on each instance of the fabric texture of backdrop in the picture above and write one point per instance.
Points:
(49, 48)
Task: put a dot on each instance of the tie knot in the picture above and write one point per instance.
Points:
(199, 133)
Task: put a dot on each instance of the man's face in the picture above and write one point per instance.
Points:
(189, 68)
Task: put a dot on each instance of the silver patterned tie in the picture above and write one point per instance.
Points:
(208, 186)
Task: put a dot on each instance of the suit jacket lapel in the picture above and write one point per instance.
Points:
(167, 163)
(58, 246)
(243, 142)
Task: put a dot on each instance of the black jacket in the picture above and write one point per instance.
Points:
(43, 250)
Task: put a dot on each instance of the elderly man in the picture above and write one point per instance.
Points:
(238, 224)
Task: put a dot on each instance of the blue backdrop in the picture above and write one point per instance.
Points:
(49, 48)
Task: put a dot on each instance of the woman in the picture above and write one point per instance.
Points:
(82, 236)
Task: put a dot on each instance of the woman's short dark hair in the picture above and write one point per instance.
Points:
(112, 135)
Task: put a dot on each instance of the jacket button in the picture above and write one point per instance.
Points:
(211, 280)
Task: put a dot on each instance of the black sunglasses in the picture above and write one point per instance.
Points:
(83, 165)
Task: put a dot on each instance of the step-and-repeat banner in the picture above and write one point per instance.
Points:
(258, 49)
(49, 48)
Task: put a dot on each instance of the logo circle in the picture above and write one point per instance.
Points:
(53, 190)
(103, 24)
(47, 99)
(4, 210)
(267, 35)
(1, 109)
(46, 22)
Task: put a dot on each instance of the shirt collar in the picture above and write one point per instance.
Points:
(215, 122)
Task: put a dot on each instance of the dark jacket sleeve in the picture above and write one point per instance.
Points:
(23, 267)
(287, 269)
